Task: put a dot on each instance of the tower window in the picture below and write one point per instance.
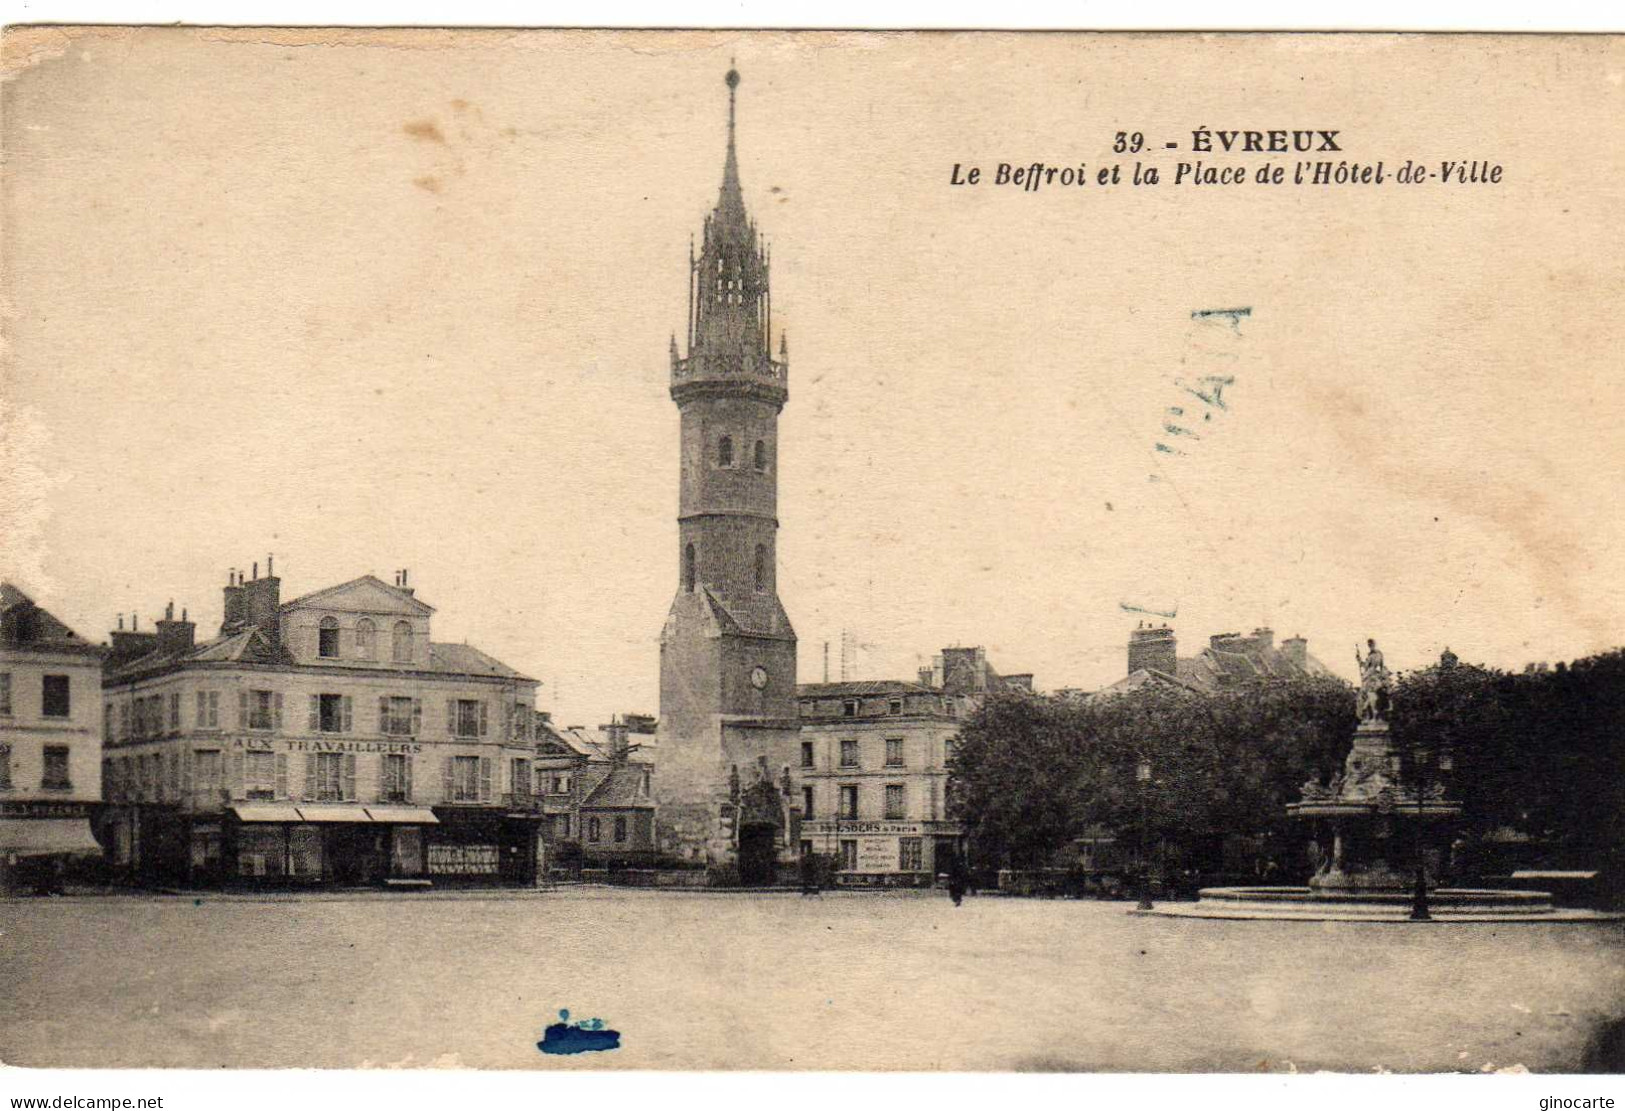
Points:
(761, 455)
(688, 568)
(761, 567)
(327, 639)
(725, 452)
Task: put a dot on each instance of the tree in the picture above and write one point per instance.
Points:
(1031, 773)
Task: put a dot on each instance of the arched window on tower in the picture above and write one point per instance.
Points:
(725, 452)
(403, 642)
(761, 567)
(688, 568)
(761, 455)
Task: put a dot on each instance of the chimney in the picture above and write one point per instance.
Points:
(1296, 651)
(926, 676)
(235, 614)
(1154, 649)
(619, 748)
(175, 636)
(1225, 642)
(1263, 639)
(261, 605)
(127, 644)
(405, 589)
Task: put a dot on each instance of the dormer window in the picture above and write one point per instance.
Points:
(403, 642)
(327, 639)
(366, 639)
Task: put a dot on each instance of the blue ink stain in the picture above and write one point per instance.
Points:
(587, 1036)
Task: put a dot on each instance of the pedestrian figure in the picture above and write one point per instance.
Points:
(956, 880)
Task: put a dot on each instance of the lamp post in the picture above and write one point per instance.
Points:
(1142, 775)
(1425, 762)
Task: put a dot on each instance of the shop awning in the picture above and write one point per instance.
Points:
(334, 814)
(266, 814)
(47, 837)
(416, 815)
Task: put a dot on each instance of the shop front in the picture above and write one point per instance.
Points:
(348, 846)
(41, 841)
(485, 845)
(884, 854)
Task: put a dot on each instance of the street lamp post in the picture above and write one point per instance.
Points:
(1425, 763)
(1419, 897)
(1142, 775)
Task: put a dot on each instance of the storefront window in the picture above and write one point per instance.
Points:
(261, 851)
(406, 851)
(305, 851)
(911, 854)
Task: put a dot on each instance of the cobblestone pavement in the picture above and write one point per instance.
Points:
(778, 981)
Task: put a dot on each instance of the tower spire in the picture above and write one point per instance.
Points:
(732, 202)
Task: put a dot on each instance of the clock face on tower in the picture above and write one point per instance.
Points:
(758, 677)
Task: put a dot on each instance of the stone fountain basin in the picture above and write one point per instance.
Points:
(1446, 904)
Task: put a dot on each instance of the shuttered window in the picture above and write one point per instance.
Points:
(260, 775)
(465, 776)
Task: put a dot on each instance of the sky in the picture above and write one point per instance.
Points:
(405, 300)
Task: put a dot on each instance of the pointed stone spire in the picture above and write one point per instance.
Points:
(731, 203)
(730, 316)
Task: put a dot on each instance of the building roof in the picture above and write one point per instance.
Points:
(1238, 662)
(253, 646)
(620, 789)
(859, 688)
(247, 646)
(23, 624)
(327, 592)
(464, 659)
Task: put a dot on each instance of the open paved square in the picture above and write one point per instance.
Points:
(775, 981)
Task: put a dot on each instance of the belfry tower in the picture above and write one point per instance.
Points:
(727, 652)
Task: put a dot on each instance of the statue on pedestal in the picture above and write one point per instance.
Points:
(1374, 688)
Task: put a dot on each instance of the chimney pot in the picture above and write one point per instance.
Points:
(121, 622)
(256, 570)
(268, 571)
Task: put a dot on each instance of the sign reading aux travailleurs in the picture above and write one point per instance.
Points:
(388, 748)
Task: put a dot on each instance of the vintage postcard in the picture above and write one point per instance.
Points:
(724, 550)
